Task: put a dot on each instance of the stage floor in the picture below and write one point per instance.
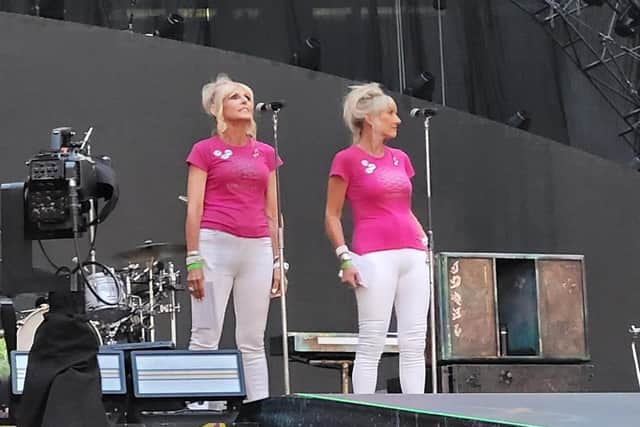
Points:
(518, 409)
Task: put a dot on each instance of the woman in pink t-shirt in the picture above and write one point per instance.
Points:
(231, 230)
(388, 265)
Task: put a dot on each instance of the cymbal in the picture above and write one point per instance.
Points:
(151, 251)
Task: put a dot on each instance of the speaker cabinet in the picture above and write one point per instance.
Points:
(523, 307)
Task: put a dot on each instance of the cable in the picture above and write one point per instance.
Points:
(75, 213)
(90, 287)
(441, 43)
(58, 268)
(44, 252)
(400, 47)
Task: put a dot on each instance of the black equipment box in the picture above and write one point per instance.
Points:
(516, 378)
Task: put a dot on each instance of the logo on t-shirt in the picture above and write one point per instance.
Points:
(256, 152)
(368, 166)
(395, 161)
(224, 155)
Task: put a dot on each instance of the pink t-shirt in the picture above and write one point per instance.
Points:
(236, 188)
(379, 192)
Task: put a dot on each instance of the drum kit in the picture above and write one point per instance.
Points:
(122, 304)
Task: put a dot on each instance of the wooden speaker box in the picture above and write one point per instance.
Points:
(527, 307)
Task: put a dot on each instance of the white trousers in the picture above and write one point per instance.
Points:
(244, 265)
(395, 278)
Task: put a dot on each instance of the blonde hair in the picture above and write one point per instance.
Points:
(362, 100)
(213, 95)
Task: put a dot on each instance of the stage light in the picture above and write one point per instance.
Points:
(626, 25)
(635, 163)
(309, 54)
(52, 9)
(520, 119)
(439, 4)
(422, 87)
(171, 28)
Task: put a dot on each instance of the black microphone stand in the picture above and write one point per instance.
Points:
(281, 265)
(132, 5)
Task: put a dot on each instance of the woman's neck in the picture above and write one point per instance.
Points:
(371, 144)
(235, 135)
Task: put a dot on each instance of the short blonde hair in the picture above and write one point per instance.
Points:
(213, 95)
(362, 100)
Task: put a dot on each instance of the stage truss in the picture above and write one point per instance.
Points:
(587, 31)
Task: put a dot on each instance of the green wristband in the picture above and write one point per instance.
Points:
(346, 264)
(194, 266)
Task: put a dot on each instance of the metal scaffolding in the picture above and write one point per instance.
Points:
(599, 36)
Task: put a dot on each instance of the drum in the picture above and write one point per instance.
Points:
(27, 328)
(106, 298)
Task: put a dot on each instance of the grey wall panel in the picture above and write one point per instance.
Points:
(495, 188)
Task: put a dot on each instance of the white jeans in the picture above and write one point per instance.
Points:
(246, 266)
(397, 278)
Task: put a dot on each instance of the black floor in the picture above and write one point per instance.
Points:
(449, 410)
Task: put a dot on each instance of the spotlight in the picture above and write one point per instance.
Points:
(520, 119)
(422, 87)
(171, 28)
(635, 163)
(439, 4)
(626, 24)
(52, 9)
(309, 54)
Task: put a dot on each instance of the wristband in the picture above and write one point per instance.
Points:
(276, 265)
(341, 250)
(345, 256)
(194, 266)
(195, 252)
(193, 258)
(346, 264)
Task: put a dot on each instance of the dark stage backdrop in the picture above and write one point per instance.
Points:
(495, 188)
(497, 60)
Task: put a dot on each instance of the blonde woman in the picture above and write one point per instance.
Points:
(231, 230)
(387, 267)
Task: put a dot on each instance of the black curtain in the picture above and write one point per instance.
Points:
(497, 60)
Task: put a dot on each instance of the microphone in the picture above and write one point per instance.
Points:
(423, 112)
(270, 106)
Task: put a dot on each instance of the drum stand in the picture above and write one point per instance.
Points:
(174, 307)
(150, 330)
(154, 308)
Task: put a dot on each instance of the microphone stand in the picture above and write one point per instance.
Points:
(283, 298)
(428, 114)
(132, 5)
(635, 332)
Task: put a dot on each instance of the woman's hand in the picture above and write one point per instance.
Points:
(276, 285)
(351, 277)
(195, 283)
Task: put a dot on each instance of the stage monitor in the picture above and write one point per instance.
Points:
(111, 364)
(212, 375)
